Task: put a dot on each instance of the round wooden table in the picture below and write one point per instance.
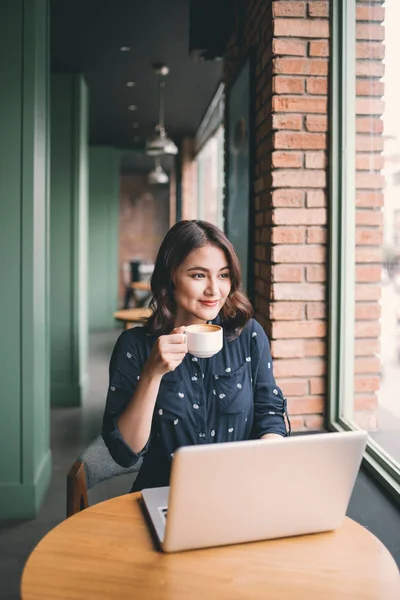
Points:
(131, 316)
(107, 552)
(143, 286)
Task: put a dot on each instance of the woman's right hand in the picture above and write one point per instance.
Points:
(168, 353)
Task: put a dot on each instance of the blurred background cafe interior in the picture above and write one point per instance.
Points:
(277, 121)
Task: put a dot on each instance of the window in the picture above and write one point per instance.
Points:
(210, 174)
(209, 161)
(365, 209)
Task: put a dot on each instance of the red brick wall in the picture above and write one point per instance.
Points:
(143, 222)
(291, 41)
(369, 200)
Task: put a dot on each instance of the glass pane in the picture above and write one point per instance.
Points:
(376, 404)
(210, 171)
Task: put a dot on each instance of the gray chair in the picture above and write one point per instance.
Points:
(91, 468)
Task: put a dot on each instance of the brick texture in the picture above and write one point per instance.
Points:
(143, 222)
(298, 272)
(291, 39)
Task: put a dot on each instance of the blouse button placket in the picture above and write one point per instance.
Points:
(199, 406)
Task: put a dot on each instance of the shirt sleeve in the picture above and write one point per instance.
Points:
(124, 373)
(269, 403)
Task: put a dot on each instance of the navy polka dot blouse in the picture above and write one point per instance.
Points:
(229, 397)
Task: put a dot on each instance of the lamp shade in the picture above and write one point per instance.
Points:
(160, 144)
(157, 176)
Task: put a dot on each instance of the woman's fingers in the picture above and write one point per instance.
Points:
(172, 343)
(178, 330)
(171, 349)
(175, 338)
(175, 349)
(176, 356)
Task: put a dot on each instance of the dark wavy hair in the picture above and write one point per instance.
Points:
(180, 241)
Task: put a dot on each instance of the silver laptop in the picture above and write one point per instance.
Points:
(255, 490)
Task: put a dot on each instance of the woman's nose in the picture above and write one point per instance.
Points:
(212, 288)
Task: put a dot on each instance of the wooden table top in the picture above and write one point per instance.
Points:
(144, 286)
(132, 314)
(107, 552)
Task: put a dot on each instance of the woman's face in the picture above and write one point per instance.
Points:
(202, 285)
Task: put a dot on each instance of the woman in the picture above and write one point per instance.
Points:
(160, 397)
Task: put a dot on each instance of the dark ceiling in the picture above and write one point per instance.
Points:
(86, 37)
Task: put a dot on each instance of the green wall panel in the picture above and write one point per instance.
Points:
(11, 36)
(103, 236)
(24, 227)
(35, 237)
(69, 239)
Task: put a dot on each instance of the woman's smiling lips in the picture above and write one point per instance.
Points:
(209, 303)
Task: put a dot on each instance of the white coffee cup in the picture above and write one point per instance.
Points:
(205, 340)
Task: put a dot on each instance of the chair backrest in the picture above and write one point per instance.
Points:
(92, 467)
(77, 496)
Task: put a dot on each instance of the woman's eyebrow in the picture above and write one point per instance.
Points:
(206, 270)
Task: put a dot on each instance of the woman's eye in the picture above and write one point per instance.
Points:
(201, 275)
